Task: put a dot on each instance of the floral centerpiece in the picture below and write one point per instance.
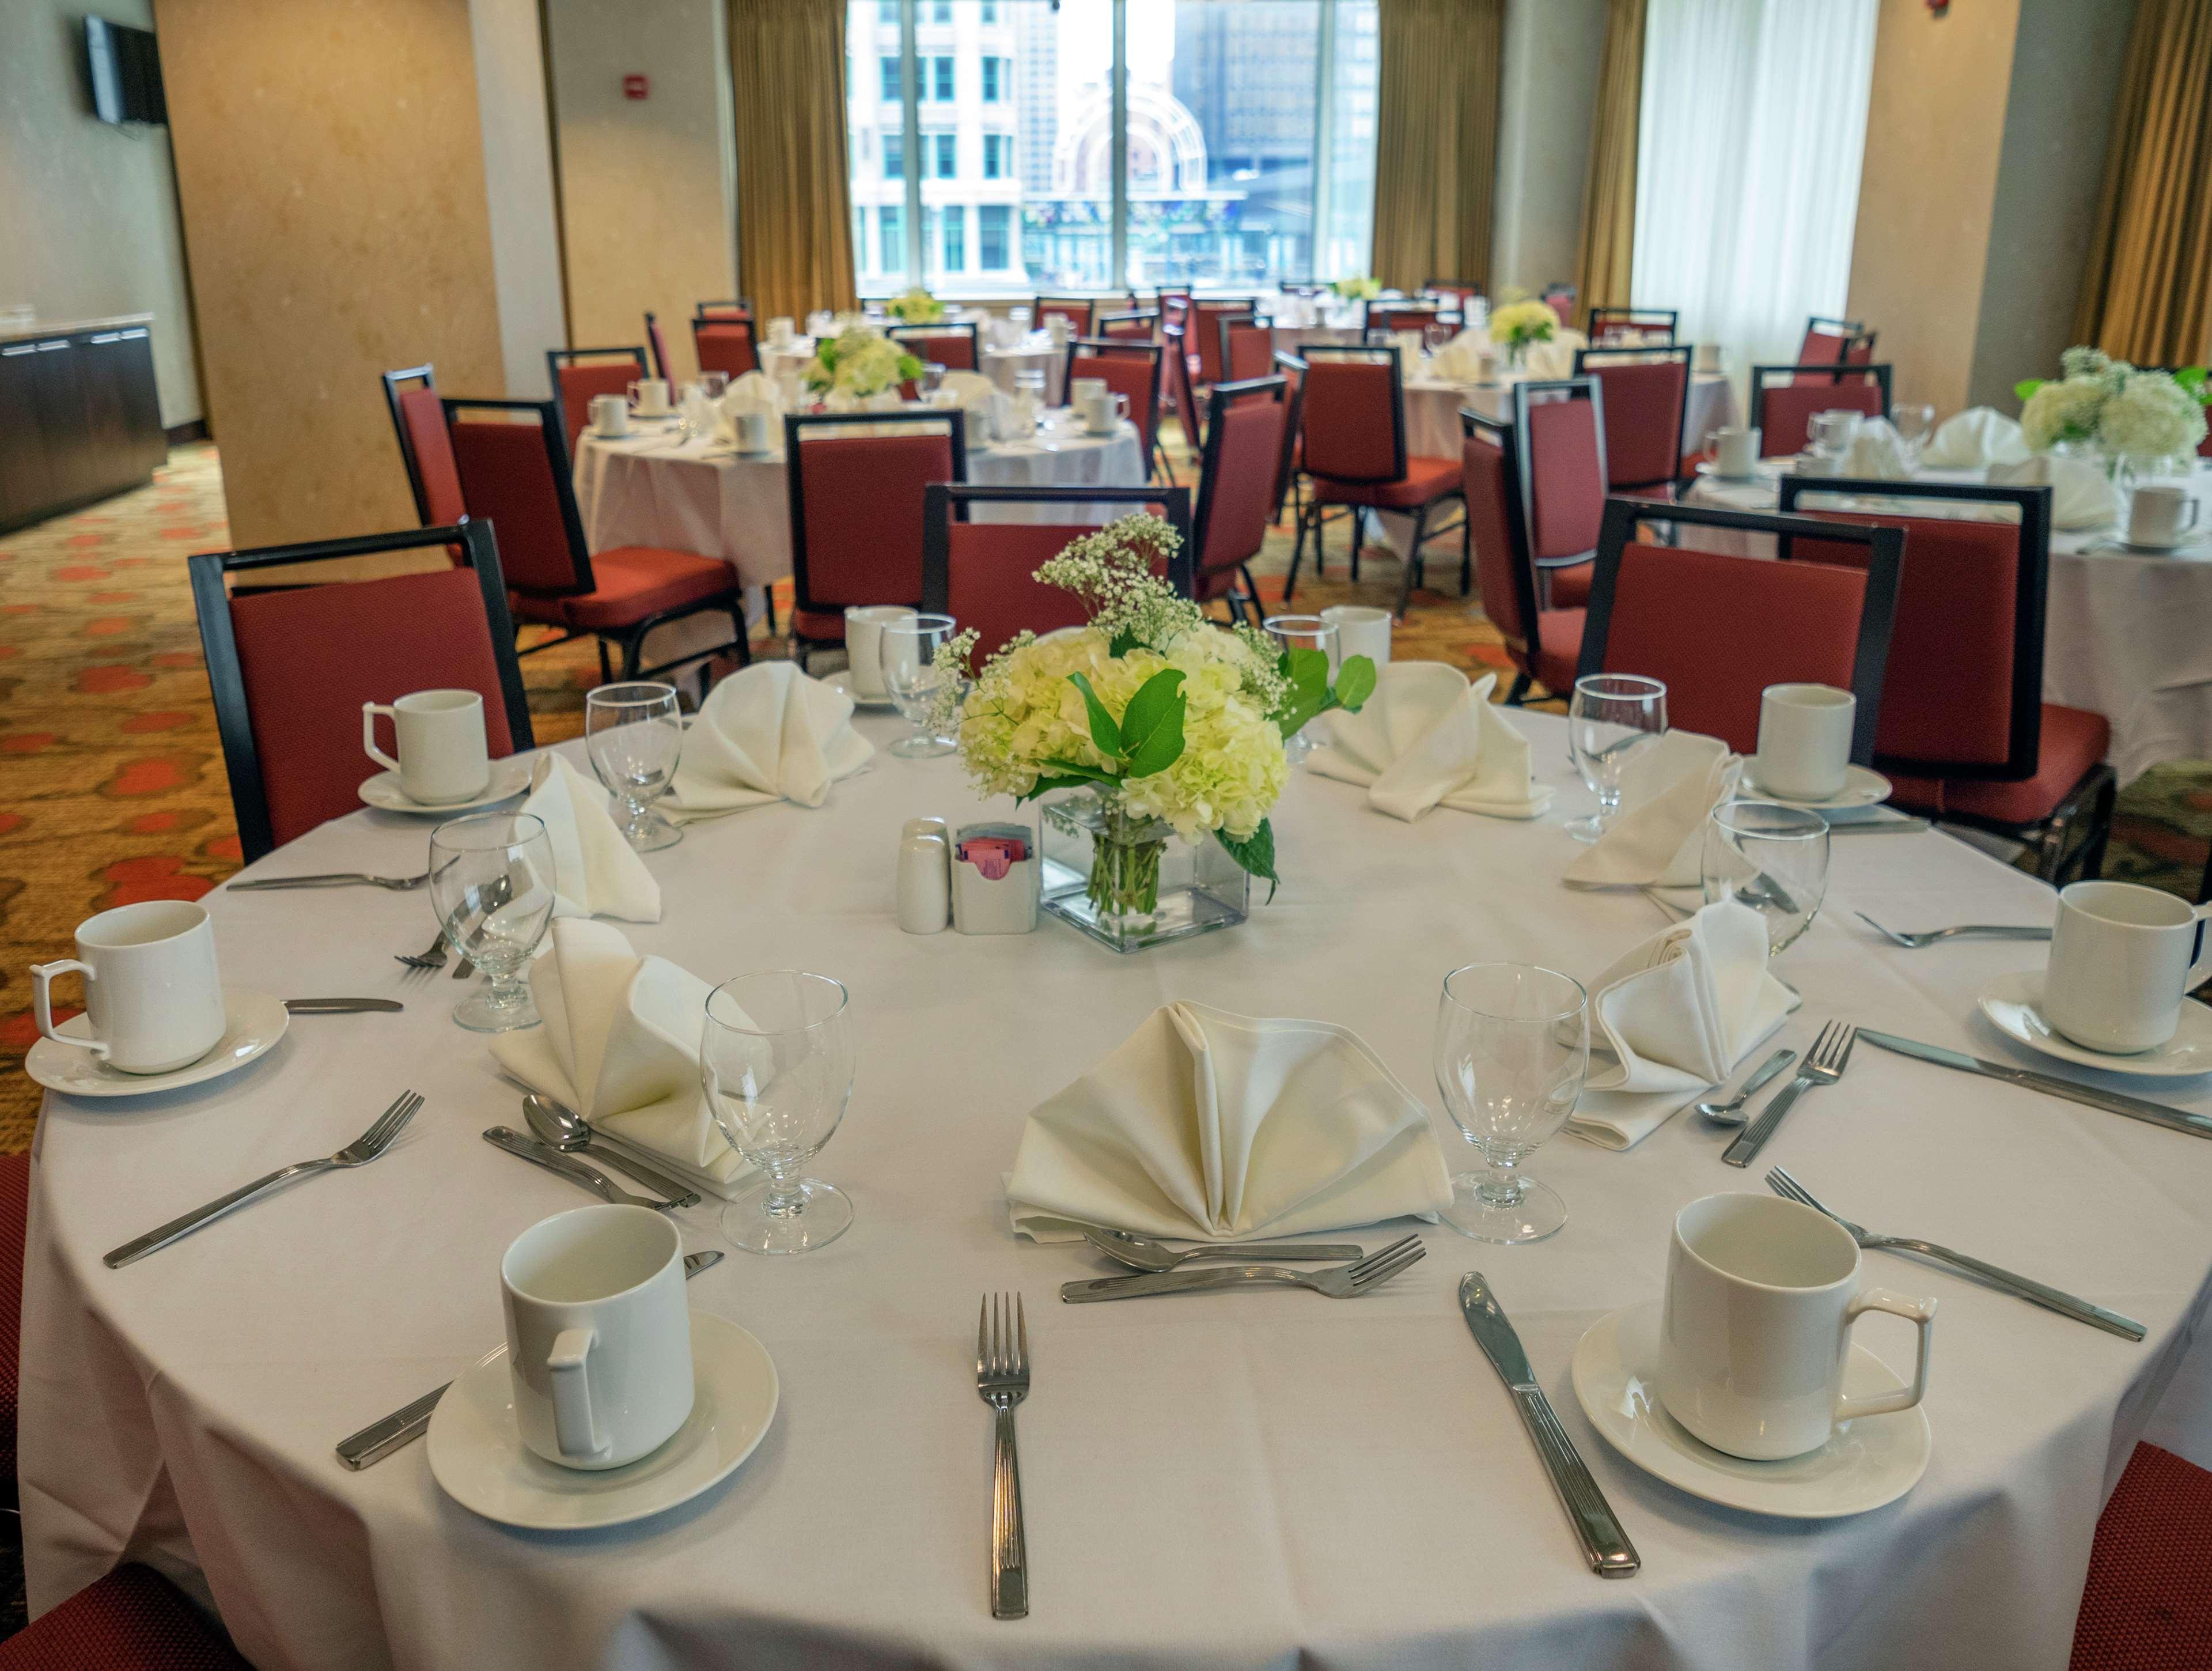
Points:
(1167, 724)
(1357, 289)
(2134, 418)
(1518, 324)
(916, 306)
(858, 364)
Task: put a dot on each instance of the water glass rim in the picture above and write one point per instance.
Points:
(1580, 993)
(629, 693)
(461, 835)
(1788, 823)
(1618, 686)
(916, 625)
(844, 999)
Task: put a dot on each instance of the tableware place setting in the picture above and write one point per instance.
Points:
(440, 767)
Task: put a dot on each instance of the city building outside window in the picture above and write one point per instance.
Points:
(888, 69)
(994, 244)
(956, 240)
(947, 148)
(944, 79)
(991, 81)
(894, 156)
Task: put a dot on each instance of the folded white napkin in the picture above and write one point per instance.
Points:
(1666, 791)
(767, 733)
(1548, 362)
(620, 1045)
(755, 391)
(595, 872)
(1876, 454)
(1978, 436)
(1206, 1127)
(1428, 738)
(1460, 360)
(2081, 495)
(970, 390)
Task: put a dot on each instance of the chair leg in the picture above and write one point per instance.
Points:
(1466, 553)
(633, 654)
(606, 667)
(1251, 591)
(1521, 683)
(745, 632)
(1297, 553)
(1414, 561)
(1358, 534)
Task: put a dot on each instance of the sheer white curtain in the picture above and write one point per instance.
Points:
(1753, 131)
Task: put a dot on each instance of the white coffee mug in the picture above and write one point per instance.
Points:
(864, 628)
(2161, 514)
(782, 332)
(1361, 629)
(2122, 958)
(610, 415)
(1804, 740)
(1103, 411)
(1735, 451)
(440, 735)
(1707, 356)
(598, 1339)
(1083, 387)
(152, 996)
(650, 396)
(753, 431)
(1761, 1293)
(1056, 326)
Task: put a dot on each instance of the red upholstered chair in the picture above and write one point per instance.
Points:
(289, 668)
(983, 574)
(658, 343)
(1615, 325)
(14, 1224)
(1248, 347)
(1352, 446)
(1457, 291)
(1075, 309)
(1397, 315)
(2146, 1606)
(1826, 339)
(1544, 644)
(133, 1619)
(1132, 369)
(1563, 468)
(515, 474)
(1143, 325)
(1560, 299)
(1200, 365)
(856, 511)
(741, 307)
(1647, 406)
(952, 346)
(580, 375)
(727, 345)
(1246, 426)
(1290, 473)
(1719, 629)
(1966, 735)
(419, 421)
(1784, 399)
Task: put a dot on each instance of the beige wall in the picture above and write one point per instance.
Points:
(91, 208)
(526, 225)
(1554, 54)
(646, 185)
(331, 170)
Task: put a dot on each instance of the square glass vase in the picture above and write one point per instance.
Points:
(1128, 880)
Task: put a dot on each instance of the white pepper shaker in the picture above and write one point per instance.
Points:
(925, 883)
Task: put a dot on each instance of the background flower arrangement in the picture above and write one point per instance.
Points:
(860, 363)
(1357, 289)
(2129, 414)
(916, 306)
(1518, 324)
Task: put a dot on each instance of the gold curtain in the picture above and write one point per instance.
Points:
(1436, 153)
(2147, 295)
(1602, 268)
(794, 201)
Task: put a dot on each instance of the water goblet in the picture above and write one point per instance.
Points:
(914, 682)
(492, 886)
(776, 1062)
(1912, 424)
(715, 383)
(1512, 1048)
(633, 733)
(933, 379)
(1771, 857)
(1303, 632)
(1614, 717)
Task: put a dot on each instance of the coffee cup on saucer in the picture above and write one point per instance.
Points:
(650, 396)
(1361, 629)
(782, 332)
(1735, 450)
(609, 416)
(1102, 411)
(752, 430)
(1804, 740)
(153, 998)
(440, 735)
(2122, 958)
(2160, 515)
(864, 628)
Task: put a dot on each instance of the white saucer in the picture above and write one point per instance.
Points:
(843, 680)
(2195, 545)
(252, 1022)
(480, 1463)
(1862, 787)
(509, 778)
(2015, 1003)
(1866, 1463)
(1711, 468)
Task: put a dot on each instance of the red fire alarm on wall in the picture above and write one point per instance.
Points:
(635, 86)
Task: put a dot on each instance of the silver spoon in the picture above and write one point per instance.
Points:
(558, 1128)
(1142, 1253)
(1730, 1113)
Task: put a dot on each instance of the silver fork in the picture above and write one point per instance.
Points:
(434, 958)
(1339, 1282)
(1823, 1064)
(1913, 941)
(1002, 1380)
(360, 1152)
(2025, 1287)
(334, 879)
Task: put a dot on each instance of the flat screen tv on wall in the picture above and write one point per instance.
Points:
(125, 68)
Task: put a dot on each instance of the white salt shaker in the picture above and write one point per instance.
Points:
(925, 880)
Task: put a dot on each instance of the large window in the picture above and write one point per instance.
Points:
(1246, 143)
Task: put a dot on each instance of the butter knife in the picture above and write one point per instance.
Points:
(2090, 1097)
(342, 1006)
(1606, 1546)
(578, 1172)
(405, 1425)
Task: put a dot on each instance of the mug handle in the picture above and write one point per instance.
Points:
(2200, 959)
(1921, 1312)
(2195, 505)
(573, 1428)
(369, 711)
(42, 1006)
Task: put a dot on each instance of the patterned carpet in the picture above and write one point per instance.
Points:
(115, 786)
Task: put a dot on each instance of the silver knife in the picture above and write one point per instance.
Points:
(405, 1425)
(578, 1172)
(1607, 1546)
(342, 1006)
(2091, 1096)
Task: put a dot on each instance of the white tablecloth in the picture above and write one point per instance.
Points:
(2124, 635)
(1248, 1480)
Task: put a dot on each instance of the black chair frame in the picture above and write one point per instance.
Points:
(1604, 356)
(1508, 440)
(241, 757)
(753, 333)
(1150, 315)
(1292, 369)
(946, 503)
(908, 332)
(1569, 388)
(1218, 401)
(1088, 304)
(1105, 348)
(1764, 377)
(392, 380)
(1195, 432)
(557, 357)
(1368, 309)
(1646, 320)
(699, 310)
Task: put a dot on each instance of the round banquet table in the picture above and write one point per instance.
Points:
(1244, 1479)
(1034, 351)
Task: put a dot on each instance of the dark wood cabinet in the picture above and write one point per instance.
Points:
(79, 418)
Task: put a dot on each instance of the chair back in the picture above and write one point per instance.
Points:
(1398, 315)
(1497, 526)
(1826, 339)
(659, 344)
(1128, 367)
(1175, 306)
(289, 668)
(1963, 695)
(1292, 370)
(1353, 425)
(1459, 291)
(1248, 347)
(856, 483)
(728, 346)
(427, 450)
(1562, 465)
(1647, 406)
(983, 574)
(740, 309)
(1141, 326)
(1560, 299)
(580, 375)
(1718, 628)
(1245, 426)
(1616, 325)
(952, 346)
(1784, 399)
(514, 474)
(1206, 339)
(1075, 309)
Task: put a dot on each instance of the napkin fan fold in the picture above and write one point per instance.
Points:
(1428, 738)
(767, 733)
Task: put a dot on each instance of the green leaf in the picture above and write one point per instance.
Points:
(1151, 725)
(1306, 672)
(1256, 853)
(2027, 386)
(1124, 642)
(1355, 682)
(1072, 776)
(1105, 734)
(2198, 382)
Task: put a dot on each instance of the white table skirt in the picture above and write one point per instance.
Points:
(2123, 635)
(1226, 1480)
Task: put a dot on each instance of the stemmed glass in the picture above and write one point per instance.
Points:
(913, 679)
(776, 1064)
(1912, 425)
(1512, 1048)
(1614, 717)
(491, 884)
(1303, 632)
(635, 733)
(1772, 859)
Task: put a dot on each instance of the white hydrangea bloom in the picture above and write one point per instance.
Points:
(2152, 417)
